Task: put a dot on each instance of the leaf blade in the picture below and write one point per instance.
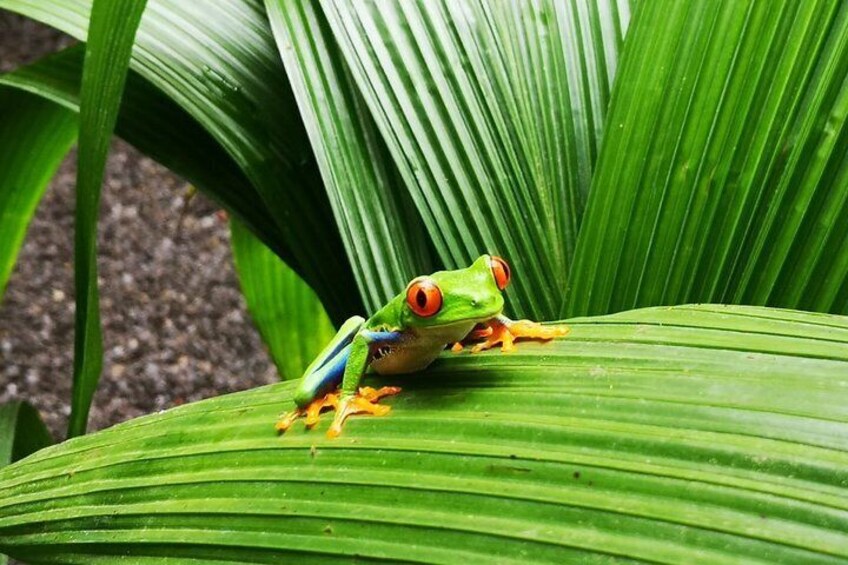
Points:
(456, 107)
(23, 432)
(644, 440)
(712, 183)
(36, 135)
(110, 41)
(159, 128)
(288, 314)
(382, 232)
(218, 61)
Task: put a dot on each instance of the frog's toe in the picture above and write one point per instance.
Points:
(500, 334)
(373, 395)
(534, 330)
(287, 419)
(363, 402)
(313, 411)
(505, 331)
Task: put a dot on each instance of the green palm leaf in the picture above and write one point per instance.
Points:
(35, 136)
(699, 434)
(155, 125)
(21, 432)
(218, 61)
(110, 41)
(494, 139)
(723, 176)
(383, 234)
(286, 311)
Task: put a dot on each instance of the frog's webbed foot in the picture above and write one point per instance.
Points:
(505, 331)
(312, 412)
(363, 402)
(478, 333)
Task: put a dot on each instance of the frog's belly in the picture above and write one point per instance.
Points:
(419, 351)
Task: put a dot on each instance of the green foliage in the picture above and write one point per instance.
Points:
(219, 63)
(691, 434)
(154, 124)
(723, 176)
(384, 237)
(287, 312)
(34, 138)
(110, 40)
(21, 433)
(493, 117)
(366, 142)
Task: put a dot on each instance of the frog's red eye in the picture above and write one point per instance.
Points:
(500, 270)
(424, 297)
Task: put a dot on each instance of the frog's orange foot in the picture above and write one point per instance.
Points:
(505, 332)
(312, 412)
(534, 330)
(363, 402)
(478, 333)
(286, 420)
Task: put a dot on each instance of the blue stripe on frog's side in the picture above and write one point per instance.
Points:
(342, 339)
(323, 380)
(377, 338)
(326, 373)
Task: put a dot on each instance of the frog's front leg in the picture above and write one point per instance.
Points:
(356, 400)
(322, 377)
(343, 361)
(502, 330)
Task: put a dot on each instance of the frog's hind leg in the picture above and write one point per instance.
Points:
(317, 392)
(505, 331)
(478, 333)
(365, 401)
(322, 377)
(341, 341)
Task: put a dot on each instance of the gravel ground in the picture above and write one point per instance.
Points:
(175, 325)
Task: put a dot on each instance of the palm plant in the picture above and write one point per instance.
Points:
(359, 143)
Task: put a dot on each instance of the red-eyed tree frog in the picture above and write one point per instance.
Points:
(406, 335)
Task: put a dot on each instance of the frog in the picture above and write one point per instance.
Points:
(447, 309)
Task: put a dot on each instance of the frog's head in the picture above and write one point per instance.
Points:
(448, 297)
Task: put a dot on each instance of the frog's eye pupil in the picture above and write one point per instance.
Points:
(424, 297)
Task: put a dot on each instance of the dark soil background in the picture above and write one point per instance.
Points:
(175, 324)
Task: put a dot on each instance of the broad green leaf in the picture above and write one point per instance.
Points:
(21, 432)
(703, 434)
(492, 112)
(218, 61)
(110, 40)
(161, 129)
(35, 135)
(383, 234)
(723, 176)
(287, 312)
